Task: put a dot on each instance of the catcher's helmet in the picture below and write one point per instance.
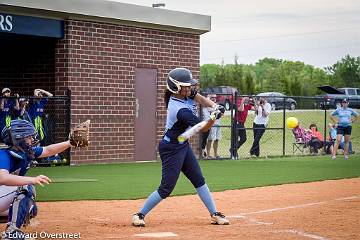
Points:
(14, 136)
(179, 77)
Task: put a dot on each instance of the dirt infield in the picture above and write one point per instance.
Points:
(318, 210)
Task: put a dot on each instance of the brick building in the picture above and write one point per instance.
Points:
(114, 58)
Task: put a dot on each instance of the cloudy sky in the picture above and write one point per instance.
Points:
(317, 32)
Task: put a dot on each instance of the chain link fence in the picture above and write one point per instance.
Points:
(277, 140)
(51, 118)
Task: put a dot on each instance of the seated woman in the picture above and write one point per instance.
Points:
(306, 136)
(301, 134)
(318, 140)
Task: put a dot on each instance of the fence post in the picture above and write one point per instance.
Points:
(284, 132)
(325, 123)
(233, 136)
(68, 120)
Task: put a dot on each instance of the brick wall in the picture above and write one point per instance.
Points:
(97, 61)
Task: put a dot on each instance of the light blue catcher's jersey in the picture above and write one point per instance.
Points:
(344, 116)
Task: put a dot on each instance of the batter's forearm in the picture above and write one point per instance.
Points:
(203, 101)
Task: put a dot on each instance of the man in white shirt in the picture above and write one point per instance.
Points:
(262, 111)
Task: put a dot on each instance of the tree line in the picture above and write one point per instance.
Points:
(293, 78)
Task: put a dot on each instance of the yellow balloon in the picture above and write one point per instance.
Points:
(292, 122)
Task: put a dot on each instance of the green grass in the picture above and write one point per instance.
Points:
(138, 180)
(271, 143)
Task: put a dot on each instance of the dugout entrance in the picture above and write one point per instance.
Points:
(27, 62)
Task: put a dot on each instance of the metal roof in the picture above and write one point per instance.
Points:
(110, 11)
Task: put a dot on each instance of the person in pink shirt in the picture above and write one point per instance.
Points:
(302, 134)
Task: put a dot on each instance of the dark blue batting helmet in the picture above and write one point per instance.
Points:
(179, 77)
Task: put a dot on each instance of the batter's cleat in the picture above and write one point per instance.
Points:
(219, 219)
(138, 220)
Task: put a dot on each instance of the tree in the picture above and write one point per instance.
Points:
(289, 77)
(207, 74)
(346, 72)
(249, 81)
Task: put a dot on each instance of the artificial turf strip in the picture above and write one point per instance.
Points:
(138, 180)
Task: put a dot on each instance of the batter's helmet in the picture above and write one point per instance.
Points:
(14, 136)
(179, 77)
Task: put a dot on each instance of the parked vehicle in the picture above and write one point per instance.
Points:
(224, 95)
(276, 100)
(333, 97)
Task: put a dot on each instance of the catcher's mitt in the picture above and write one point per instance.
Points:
(80, 134)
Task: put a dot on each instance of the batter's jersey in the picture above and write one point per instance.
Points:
(180, 116)
(16, 162)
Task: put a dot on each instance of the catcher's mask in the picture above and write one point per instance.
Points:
(179, 77)
(15, 135)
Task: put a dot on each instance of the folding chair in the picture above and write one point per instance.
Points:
(299, 145)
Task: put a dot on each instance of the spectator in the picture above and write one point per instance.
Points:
(317, 141)
(214, 138)
(243, 106)
(307, 137)
(332, 138)
(205, 135)
(332, 133)
(36, 111)
(302, 135)
(344, 116)
(342, 145)
(7, 105)
(262, 111)
(22, 113)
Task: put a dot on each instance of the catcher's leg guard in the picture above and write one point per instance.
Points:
(23, 207)
(13, 233)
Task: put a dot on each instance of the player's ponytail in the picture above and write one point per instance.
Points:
(167, 96)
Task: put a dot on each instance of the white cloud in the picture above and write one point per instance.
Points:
(317, 32)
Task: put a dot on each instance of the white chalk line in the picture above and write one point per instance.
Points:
(156, 234)
(294, 206)
(304, 234)
(293, 231)
(252, 220)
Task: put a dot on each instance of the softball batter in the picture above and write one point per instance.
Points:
(178, 156)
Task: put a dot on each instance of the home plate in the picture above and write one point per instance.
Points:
(156, 234)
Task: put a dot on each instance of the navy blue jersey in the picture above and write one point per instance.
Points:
(16, 162)
(8, 105)
(37, 107)
(180, 116)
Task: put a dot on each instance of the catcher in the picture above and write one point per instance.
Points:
(17, 191)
